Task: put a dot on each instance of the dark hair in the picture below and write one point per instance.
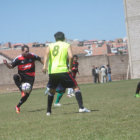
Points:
(59, 36)
(23, 47)
(75, 56)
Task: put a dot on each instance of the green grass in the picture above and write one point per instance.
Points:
(115, 115)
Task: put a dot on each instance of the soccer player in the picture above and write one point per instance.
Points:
(137, 95)
(56, 55)
(26, 71)
(60, 89)
(74, 72)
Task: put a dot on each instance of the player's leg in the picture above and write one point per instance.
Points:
(50, 100)
(57, 101)
(78, 96)
(22, 100)
(69, 92)
(25, 95)
(72, 92)
(69, 81)
(60, 91)
(59, 96)
(52, 84)
(17, 79)
(79, 99)
(137, 90)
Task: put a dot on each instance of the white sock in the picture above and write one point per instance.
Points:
(69, 91)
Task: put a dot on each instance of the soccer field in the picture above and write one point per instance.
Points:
(115, 115)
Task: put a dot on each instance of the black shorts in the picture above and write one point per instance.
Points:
(27, 79)
(64, 79)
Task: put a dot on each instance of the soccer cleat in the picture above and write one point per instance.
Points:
(17, 110)
(57, 104)
(83, 110)
(48, 113)
(22, 94)
(137, 95)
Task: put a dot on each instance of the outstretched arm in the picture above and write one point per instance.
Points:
(7, 64)
(45, 60)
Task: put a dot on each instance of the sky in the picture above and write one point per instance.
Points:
(24, 21)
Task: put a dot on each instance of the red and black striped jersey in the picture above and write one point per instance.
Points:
(26, 65)
(74, 68)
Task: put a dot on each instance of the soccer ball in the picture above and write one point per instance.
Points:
(26, 87)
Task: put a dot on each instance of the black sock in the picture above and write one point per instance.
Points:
(22, 100)
(50, 101)
(17, 80)
(138, 88)
(79, 99)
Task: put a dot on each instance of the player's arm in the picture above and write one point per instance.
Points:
(7, 64)
(38, 58)
(46, 59)
(42, 61)
(70, 56)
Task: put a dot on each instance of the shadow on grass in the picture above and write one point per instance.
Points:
(81, 113)
(42, 109)
(37, 110)
(69, 103)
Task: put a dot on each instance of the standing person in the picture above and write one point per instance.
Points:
(109, 73)
(103, 74)
(74, 72)
(56, 55)
(26, 71)
(97, 74)
(137, 95)
(94, 74)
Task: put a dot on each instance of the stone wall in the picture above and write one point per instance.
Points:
(119, 65)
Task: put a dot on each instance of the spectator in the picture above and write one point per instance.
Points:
(109, 73)
(103, 74)
(95, 74)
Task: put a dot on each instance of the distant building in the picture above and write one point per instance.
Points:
(89, 42)
(5, 46)
(17, 46)
(85, 48)
(39, 45)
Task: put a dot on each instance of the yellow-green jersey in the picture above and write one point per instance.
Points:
(58, 57)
